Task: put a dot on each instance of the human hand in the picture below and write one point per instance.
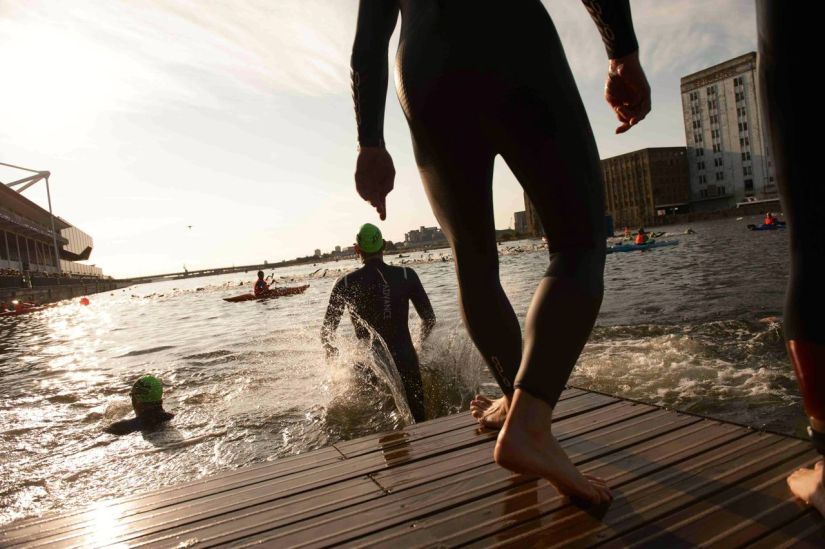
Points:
(375, 177)
(332, 352)
(627, 91)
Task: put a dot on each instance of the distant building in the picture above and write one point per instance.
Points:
(424, 235)
(27, 243)
(728, 152)
(520, 221)
(534, 227)
(317, 253)
(337, 249)
(643, 185)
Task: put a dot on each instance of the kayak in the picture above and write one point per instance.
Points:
(634, 247)
(25, 310)
(272, 293)
(763, 227)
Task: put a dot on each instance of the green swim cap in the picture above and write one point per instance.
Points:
(369, 238)
(147, 389)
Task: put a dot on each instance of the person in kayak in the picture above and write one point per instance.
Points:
(261, 287)
(627, 234)
(378, 296)
(482, 79)
(784, 54)
(769, 219)
(641, 237)
(147, 401)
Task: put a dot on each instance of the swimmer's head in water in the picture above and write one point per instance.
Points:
(369, 238)
(147, 390)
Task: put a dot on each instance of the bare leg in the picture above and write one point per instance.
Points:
(526, 445)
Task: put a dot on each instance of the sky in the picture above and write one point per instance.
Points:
(222, 133)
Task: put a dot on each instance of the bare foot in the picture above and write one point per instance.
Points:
(490, 413)
(809, 486)
(526, 445)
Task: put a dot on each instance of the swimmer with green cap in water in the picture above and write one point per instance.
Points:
(147, 401)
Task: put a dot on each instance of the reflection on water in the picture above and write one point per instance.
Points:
(249, 381)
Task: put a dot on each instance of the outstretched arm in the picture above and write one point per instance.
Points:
(376, 22)
(332, 318)
(626, 89)
(374, 172)
(422, 305)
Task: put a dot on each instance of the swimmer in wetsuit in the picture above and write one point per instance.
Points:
(378, 296)
(785, 57)
(477, 79)
(147, 401)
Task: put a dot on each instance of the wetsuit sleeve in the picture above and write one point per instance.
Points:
(422, 305)
(376, 22)
(615, 24)
(335, 310)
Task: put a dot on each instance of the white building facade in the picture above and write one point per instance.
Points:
(727, 146)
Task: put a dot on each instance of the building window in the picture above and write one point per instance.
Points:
(746, 155)
(720, 176)
(749, 184)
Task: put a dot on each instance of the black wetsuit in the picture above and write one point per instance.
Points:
(789, 102)
(148, 421)
(378, 297)
(481, 78)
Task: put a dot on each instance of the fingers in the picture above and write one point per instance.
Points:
(381, 206)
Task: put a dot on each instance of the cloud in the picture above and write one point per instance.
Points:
(675, 38)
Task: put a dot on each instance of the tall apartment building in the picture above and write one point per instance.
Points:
(727, 150)
(645, 184)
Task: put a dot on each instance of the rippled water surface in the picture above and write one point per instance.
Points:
(683, 326)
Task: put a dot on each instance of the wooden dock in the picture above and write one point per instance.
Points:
(678, 480)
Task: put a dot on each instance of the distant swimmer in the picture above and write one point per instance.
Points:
(784, 54)
(261, 287)
(478, 80)
(147, 401)
(378, 296)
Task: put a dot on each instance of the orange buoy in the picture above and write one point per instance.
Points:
(84, 300)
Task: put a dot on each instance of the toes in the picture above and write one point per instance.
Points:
(819, 465)
(483, 399)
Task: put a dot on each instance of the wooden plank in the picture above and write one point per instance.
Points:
(158, 508)
(417, 431)
(442, 484)
(175, 493)
(654, 496)
(516, 501)
(733, 517)
(240, 499)
(396, 478)
(805, 532)
(573, 405)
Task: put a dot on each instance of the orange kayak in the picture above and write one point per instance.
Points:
(272, 293)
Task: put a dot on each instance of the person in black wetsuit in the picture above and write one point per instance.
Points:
(786, 56)
(477, 79)
(147, 401)
(378, 297)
